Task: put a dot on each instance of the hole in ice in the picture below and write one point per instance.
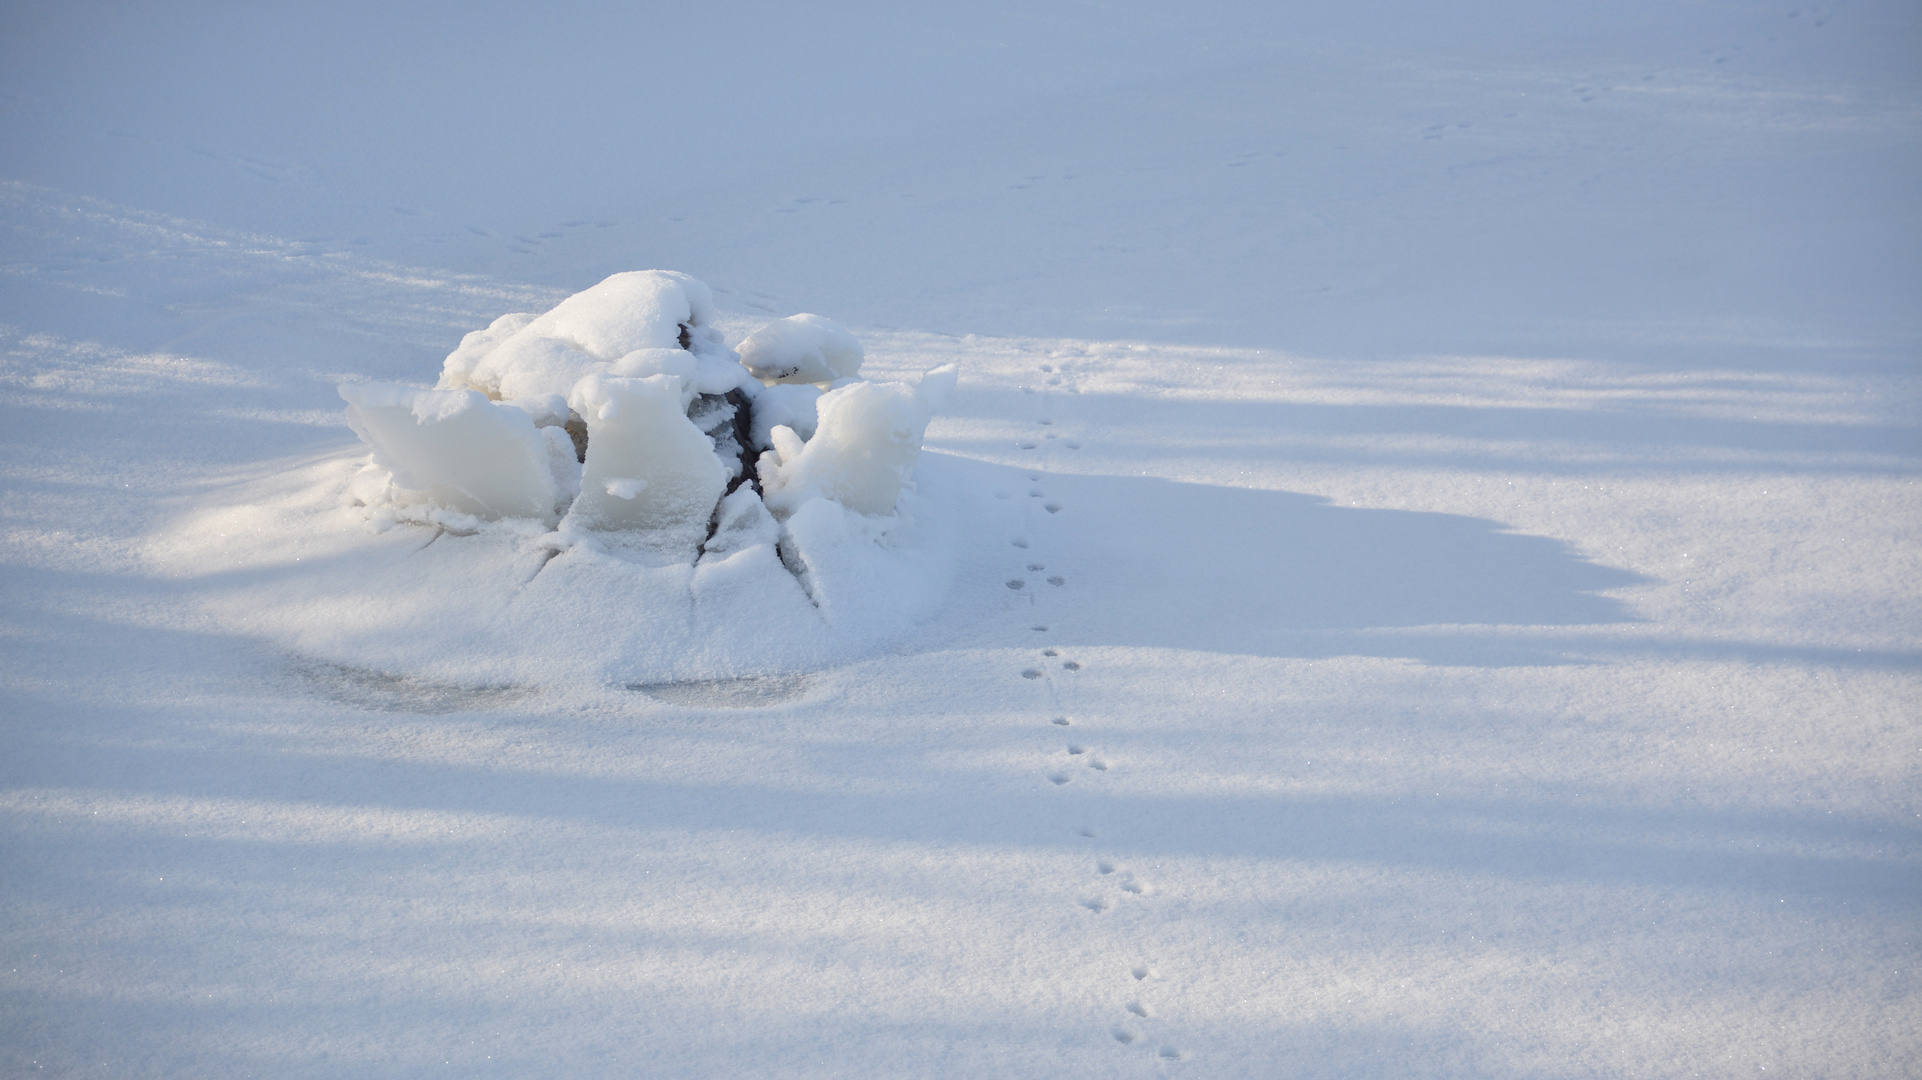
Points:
(368, 689)
(751, 692)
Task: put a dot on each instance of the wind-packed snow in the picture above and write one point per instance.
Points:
(1412, 570)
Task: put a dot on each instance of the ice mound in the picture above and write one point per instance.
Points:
(613, 493)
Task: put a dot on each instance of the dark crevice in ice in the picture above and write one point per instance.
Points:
(791, 559)
(576, 429)
(724, 419)
(547, 556)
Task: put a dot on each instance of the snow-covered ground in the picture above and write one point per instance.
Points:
(1423, 549)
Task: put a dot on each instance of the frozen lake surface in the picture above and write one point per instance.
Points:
(1423, 578)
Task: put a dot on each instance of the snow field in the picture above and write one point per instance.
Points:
(1419, 573)
(1467, 799)
(1569, 810)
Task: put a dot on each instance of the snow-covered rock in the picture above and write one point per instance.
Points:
(627, 325)
(802, 349)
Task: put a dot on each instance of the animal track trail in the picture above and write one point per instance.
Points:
(1113, 890)
(1072, 738)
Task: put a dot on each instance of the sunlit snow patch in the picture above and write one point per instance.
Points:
(602, 492)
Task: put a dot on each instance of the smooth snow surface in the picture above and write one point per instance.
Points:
(1418, 576)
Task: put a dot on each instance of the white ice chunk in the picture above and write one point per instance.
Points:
(789, 405)
(937, 384)
(648, 466)
(467, 453)
(863, 451)
(801, 349)
(586, 334)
